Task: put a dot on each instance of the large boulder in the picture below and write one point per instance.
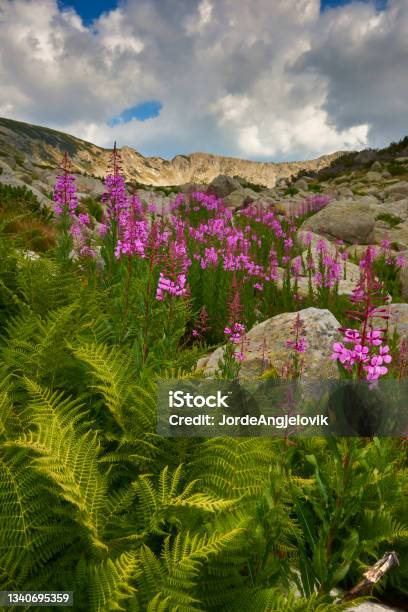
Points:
(343, 192)
(345, 287)
(398, 208)
(189, 188)
(223, 185)
(301, 184)
(398, 320)
(265, 345)
(347, 220)
(397, 190)
(240, 198)
(359, 250)
(403, 276)
(89, 185)
(398, 236)
(350, 271)
(373, 177)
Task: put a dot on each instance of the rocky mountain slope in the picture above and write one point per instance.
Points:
(29, 149)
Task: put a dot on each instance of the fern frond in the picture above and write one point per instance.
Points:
(156, 501)
(111, 583)
(111, 370)
(67, 457)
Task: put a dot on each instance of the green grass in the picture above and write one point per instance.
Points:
(389, 218)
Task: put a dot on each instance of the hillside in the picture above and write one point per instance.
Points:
(30, 149)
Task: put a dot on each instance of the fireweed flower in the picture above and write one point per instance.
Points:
(102, 229)
(298, 345)
(114, 198)
(65, 197)
(87, 251)
(306, 238)
(175, 288)
(235, 334)
(133, 230)
(366, 351)
(351, 335)
(342, 354)
(75, 231)
(83, 219)
(299, 342)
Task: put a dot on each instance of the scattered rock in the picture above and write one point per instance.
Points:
(91, 186)
(398, 235)
(265, 345)
(397, 189)
(240, 198)
(359, 250)
(301, 184)
(376, 166)
(373, 177)
(344, 193)
(397, 208)
(398, 319)
(223, 185)
(403, 276)
(189, 188)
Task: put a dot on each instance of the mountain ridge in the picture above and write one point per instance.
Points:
(43, 147)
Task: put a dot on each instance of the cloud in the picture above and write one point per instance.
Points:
(259, 79)
(362, 56)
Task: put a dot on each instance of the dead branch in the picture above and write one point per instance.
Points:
(373, 575)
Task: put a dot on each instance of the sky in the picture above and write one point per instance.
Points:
(257, 79)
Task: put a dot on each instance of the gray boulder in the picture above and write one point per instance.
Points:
(397, 190)
(240, 198)
(265, 345)
(398, 320)
(223, 185)
(347, 220)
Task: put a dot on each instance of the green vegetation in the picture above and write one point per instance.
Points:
(92, 499)
(291, 191)
(314, 188)
(63, 142)
(397, 168)
(389, 218)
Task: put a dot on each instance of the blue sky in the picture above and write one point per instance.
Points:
(146, 110)
(326, 4)
(90, 9)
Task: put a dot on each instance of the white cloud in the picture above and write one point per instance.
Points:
(197, 23)
(259, 79)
